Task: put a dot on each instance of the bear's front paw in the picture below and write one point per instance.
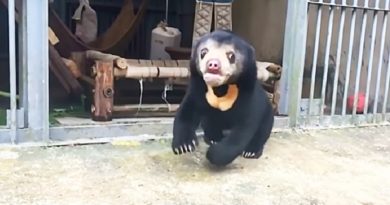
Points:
(181, 146)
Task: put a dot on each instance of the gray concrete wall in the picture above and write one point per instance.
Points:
(262, 24)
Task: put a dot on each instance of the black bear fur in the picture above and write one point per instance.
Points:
(250, 120)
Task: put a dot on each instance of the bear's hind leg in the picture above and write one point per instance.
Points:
(254, 149)
(212, 131)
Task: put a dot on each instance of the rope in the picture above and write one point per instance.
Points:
(141, 87)
(167, 88)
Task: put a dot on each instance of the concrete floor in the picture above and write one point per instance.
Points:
(348, 166)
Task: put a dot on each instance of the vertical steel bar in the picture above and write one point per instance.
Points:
(360, 60)
(327, 53)
(386, 95)
(294, 58)
(285, 77)
(37, 68)
(166, 11)
(315, 57)
(382, 48)
(371, 57)
(12, 68)
(338, 60)
(23, 62)
(387, 86)
(350, 50)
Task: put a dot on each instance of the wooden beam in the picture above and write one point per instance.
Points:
(103, 100)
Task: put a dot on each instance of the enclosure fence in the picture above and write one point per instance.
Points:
(336, 63)
(28, 110)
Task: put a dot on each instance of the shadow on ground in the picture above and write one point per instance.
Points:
(349, 166)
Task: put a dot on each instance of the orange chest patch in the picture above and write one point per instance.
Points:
(225, 102)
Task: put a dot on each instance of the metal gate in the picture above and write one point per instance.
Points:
(28, 110)
(336, 61)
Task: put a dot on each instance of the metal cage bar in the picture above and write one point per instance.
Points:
(371, 58)
(378, 79)
(360, 60)
(327, 53)
(315, 56)
(338, 59)
(294, 58)
(386, 95)
(349, 62)
(37, 68)
(387, 81)
(22, 66)
(12, 69)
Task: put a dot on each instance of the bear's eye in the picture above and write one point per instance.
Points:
(231, 57)
(203, 52)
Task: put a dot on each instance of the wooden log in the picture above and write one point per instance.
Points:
(183, 63)
(120, 63)
(60, 79)
(173, 72)
(171, 63)
(61, 71)
(53, 39)
(145, 63)
(143, 114)
(96, 55)
(137, 69)
(103, 100)
(146, 108)
(142, 72)
(83, 64)
(158, 63)
(276, 98)
(77, 73)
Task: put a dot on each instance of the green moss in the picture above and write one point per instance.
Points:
(3, 117)
(67, 111)
(57, 111)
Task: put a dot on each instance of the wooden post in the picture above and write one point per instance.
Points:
(103, 100)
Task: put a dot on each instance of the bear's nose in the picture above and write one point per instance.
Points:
(213, 65)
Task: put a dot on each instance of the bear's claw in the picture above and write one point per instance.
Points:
(251, 155)
(184, 148)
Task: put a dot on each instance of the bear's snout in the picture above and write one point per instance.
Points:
(214, 66)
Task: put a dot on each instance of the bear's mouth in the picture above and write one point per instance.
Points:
(214, 79)
(214, 71)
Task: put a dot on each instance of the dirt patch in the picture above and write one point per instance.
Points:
(349, 166)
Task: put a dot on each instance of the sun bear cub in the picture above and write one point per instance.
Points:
(223, 94)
